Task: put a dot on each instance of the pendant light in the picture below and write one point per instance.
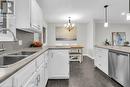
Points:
(106, 16)
(128, 14)
(69, 25)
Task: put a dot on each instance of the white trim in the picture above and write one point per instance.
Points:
(88, 56)
(59, 77)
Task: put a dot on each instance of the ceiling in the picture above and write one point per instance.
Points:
(81, 11)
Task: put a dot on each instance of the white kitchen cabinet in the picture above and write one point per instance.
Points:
(42, 69)
(36, 14)
(46, 67)
(7, 83)
(28, 15)
(53, 64)
(40, 60)
(59, 64)
(22, 76)
(40, 77)
(32, 81)
(101, 59)
(23, 17)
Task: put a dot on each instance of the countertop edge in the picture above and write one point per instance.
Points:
(16, 67)
(117, 48)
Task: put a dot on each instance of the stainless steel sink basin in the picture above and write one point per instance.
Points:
(12, 58)
(24, 53)
(7, 60)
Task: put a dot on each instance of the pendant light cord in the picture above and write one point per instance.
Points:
(129, 6)
(106, 14)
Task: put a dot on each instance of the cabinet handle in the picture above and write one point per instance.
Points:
(51, 55)
(36, 81)
(38, 78)
(46, 65)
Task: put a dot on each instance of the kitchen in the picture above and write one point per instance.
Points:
(64, 43)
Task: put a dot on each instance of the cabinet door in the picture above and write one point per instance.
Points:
(35, 14)
(22, 76)
(104, 61)
(59, 64)
(46, 68)
(7, 83)
(101, 59)
(40, 60)
(40, 77)
(22, 13)
(32, 81)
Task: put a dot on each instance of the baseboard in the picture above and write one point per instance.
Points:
(88, 56)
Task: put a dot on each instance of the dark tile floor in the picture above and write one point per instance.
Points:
(84, 75)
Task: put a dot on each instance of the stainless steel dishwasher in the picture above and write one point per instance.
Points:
(119, 66)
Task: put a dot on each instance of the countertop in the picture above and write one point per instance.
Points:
(65, 46)
(118, 48)
(13, 68)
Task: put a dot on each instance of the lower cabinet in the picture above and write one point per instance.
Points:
(32, 75)
(7, 83)
(40, 77)
(32, 81)
(53, 64)
(101, 59)
(58, 64)
(22, 76)
(37, 79)
(46, 58)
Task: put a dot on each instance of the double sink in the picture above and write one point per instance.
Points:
(9, 59)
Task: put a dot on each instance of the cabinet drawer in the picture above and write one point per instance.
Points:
(101, 51)
(40, 60)
(22, 76)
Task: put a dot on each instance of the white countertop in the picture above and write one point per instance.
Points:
(118, 48)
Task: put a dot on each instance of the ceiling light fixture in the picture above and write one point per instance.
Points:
(128, 14)
(123, 13)
(69, 25)
(106, 16)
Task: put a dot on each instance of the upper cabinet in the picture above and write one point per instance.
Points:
(36, 14)
(22, 11)
(28, 15)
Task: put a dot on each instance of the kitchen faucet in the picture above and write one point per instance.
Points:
(5, 29)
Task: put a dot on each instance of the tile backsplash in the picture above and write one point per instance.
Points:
(26, 38)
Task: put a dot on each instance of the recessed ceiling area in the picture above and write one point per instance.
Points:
(81, 11)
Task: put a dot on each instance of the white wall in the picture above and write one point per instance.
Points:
(90, 39)
(81, 35)
(103, 33)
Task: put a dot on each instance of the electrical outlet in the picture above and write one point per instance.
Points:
(20, 42)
